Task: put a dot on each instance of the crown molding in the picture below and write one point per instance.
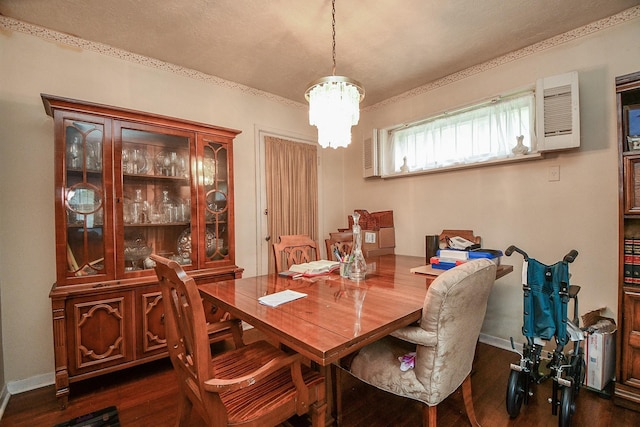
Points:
(69, 40)
(586, 30)
(76, 42)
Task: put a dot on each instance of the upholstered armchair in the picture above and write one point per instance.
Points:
(444, 342)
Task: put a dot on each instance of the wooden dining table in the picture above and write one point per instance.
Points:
(337, 316)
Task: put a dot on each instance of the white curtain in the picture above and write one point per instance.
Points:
(475, 135)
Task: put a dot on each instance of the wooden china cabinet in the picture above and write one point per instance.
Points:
(128, 184)
(627, 388)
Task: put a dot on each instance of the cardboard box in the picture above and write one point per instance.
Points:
(377, 252)
(370, 240)
(387, 237)
(600, 350)
(372, 220)
(378, 239)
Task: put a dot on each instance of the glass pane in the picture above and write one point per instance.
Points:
(84, 198)
(156, 187)
(216, 197)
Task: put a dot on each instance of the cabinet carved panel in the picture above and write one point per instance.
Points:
(153, 334)
(101, 330)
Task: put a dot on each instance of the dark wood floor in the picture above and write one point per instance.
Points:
(145, 396)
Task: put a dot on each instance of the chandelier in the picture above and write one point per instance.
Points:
(334, 102)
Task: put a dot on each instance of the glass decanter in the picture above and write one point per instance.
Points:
(167, 208)
(358, 265)
(139, 208)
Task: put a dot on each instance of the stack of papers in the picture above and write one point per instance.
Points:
(274, 300)
(313, 268)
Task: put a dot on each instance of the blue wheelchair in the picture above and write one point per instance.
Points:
(546, 294)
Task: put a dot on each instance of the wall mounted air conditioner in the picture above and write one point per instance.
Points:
(557, 112)
(370, 155)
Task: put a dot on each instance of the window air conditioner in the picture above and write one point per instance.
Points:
(557, 112)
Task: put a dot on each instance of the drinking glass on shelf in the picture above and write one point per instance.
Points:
(136, 159)
(74, 153)
(139, 209)
(126, 165)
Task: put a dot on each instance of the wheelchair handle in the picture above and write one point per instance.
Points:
(571, 256)
(568, 258)
(513, 248)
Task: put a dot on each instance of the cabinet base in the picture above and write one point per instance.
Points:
(627, 397)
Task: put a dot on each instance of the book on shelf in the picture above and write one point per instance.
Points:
(636, 262)
(315, 268)
(628, 261)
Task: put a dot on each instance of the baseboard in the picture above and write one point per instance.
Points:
(498, 342)
(4, 400)
(38, 381)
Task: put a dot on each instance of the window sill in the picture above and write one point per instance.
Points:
(520, 158)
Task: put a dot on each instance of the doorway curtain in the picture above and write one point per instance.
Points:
(292, 189)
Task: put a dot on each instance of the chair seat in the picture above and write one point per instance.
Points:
(444, 343)
(275, 391)
(377, 364)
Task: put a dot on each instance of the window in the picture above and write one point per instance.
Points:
(488, 131)
(541, 120)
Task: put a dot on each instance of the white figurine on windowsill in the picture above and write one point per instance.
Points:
(405, 167)
(520, 148)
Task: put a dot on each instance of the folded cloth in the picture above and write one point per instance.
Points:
(408, 361)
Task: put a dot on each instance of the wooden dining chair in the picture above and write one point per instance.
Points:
(342, 241)
(444, 343)
(253, 385)
(294, 249)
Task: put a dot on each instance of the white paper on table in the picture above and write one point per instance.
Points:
(274, 300)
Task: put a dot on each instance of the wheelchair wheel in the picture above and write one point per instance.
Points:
(567, 407)
(579, 373)
(515, 392)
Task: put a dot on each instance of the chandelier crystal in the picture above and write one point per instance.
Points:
(334, 103)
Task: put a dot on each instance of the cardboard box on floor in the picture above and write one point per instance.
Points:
(600, 349)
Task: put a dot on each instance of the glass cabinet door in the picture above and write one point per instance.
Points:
(85, 199)
(156, 197)
(217, 209)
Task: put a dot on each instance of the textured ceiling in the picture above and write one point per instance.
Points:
(280, 46)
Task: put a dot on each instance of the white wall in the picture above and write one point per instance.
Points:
(30, 66)
(509, 204)
(515, 203)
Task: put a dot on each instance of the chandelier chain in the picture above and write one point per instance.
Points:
(333, 33)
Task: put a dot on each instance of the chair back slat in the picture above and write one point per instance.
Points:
(294, 249)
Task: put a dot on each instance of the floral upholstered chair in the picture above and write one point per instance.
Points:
(444, 343)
